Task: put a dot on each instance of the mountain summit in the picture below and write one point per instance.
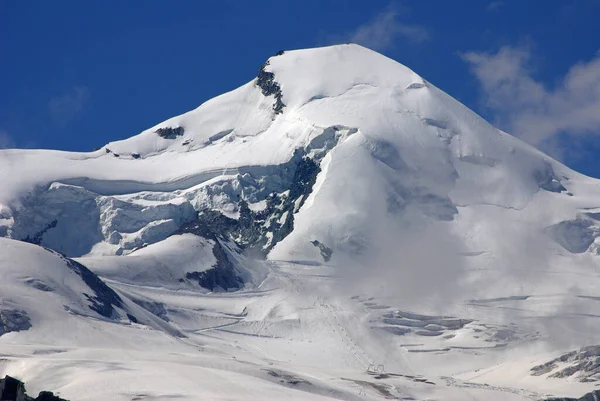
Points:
(338, 189)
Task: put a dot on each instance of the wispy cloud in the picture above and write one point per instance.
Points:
(385, 28)
(532, 110)
(65, 107)
(494, 5)
(6, 140)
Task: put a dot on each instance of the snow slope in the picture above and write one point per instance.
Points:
(358, 216)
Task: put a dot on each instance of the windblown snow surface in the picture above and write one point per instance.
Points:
(338, 228)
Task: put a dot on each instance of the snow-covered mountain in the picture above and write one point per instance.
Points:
(287, 238)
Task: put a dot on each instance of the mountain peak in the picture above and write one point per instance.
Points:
(337, 204)
(317, 73)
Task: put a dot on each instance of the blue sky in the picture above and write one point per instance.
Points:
(75, 74)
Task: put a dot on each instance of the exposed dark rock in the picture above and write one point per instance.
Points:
(593, 396)
(266, 82)
(575, 236)
(585, 363)
(209, 224)
(104, 299)
(48, 396)
(326, 252)
(135, 155)
(546, 180)
(156, 308)
(37, 238)
(14, 390)
(222, 276)
(262, 230)
(13, 320)
(169, 132)
(304, 179)
(256, 231)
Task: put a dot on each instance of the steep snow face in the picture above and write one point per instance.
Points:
(39, 288)
(390, 148)
(184, 260)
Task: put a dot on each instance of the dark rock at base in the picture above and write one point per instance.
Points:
(12, 389)
(48, 396)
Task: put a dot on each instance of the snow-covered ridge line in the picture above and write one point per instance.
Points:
(123, 187)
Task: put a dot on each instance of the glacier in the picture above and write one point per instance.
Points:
(337, 228)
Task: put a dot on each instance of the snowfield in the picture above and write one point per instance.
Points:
(338, 228)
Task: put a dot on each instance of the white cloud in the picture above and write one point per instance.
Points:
(494, 5)
(532, 110)
(64, 108)
(384, 29)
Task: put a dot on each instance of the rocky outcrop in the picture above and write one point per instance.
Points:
(325, 251)
(104, 299)
(547, 180)
(37, 238)
(593, 396)
(156, 308)
(222, 276)
(583, 364)
(169, 132)
(14, 390)
(13, 320)
(268, 86)
(575, 236)
(261, 230)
